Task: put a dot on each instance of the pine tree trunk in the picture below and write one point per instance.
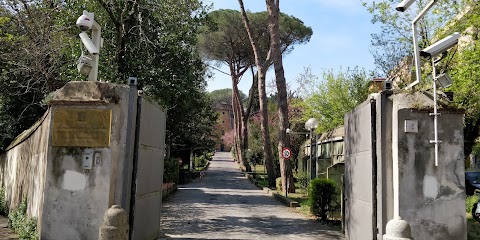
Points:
(261, 69)
(267, 149)
(273, 27)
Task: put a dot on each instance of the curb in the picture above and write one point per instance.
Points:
(169, 191)
(252, 180)
(286, 201)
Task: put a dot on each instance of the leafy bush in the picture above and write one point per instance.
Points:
(171, 170)
(209, 156)
(200, 161)
(25, 227)
(3, 202)
(322, 194)
(278, 183)
(303, 178)
(469, 202)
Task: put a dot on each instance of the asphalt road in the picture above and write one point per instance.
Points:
(225, 205)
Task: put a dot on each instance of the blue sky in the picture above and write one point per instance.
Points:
(341, 38)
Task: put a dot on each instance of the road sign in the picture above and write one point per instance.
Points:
(286, 153)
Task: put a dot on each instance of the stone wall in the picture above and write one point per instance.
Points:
(76, 198)
(22, 167)
(65, 192)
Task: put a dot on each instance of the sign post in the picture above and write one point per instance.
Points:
(286, 154)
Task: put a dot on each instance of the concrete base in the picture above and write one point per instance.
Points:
(398, 229)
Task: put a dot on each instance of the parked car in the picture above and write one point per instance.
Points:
(472, 181)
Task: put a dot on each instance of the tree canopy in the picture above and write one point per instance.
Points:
(154, 41)
(338, 93)
(394, 43)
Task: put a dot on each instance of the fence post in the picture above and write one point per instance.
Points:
(115, 224)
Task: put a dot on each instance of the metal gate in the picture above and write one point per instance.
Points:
(147, 174)
(360, 173)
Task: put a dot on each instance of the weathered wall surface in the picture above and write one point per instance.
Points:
(75, 198)
(149, 171)
(431, 199)
(22, 167)
(70, 199)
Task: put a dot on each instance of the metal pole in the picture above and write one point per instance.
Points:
(416, 49)
(312, 173)
(286, 176)
(435, 113)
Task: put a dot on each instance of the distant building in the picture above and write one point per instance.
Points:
(224, 125)
(376, 85)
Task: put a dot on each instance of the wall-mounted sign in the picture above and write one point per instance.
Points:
(81, 127)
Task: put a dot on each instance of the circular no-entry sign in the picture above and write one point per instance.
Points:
(286, 153)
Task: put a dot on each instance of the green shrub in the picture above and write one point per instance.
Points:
(322, 194)
(469, 202)
(200, 161)
(3, 202)
(209, 156)
(278, 183)
(25, 227)
(171, 170)
(303, 178)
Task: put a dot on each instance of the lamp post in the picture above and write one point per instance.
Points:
(311, 125)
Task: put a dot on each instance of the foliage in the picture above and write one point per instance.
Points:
(254, 156)
(278, 184)
(470, 201)
(24, 226)
(337, 94)
(171, 170)
(322, 194)
(225, 95)
(394, 42)
(473, 228)
(3, 202)
(153, 40)
(465, 72)
(224, 37)
(303, 179)
(200, 161)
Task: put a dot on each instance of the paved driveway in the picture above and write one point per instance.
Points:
(225, 205)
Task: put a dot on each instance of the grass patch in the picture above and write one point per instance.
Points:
(473, 228)
(262, 182)
(259, 169)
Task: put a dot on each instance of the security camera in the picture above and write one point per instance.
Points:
(440, 46)
(85, 21)
(87, 42)
(401, 7)
(444, 80)
(89, 63)
(84, 65)
(132, 81)
(387, 85)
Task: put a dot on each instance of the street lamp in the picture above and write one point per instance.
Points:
(311, 125)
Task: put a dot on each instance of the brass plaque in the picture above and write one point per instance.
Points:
(82, 127)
